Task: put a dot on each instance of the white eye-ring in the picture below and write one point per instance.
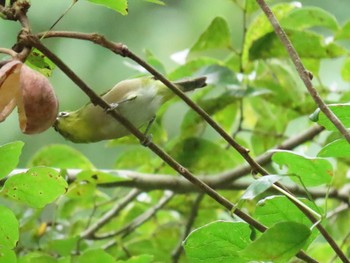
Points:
(63, 114)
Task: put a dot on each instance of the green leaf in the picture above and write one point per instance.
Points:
(9, 229)
(99, 177)
(155, 62)
(345, 71)
(215, 102)
(216, 36)
(120, 6)
(311, 171)
(307, 17)
(233, 62)
(217, 242)
(338, 149)
(192, 66)
(286, 89)
(313, 65)
(219, 75)
(342, 111)
(278, 243)
(81, 190)
(307, 44)
(261, 26)
(135, 158)
(63, 247)
(274, 209)
(138, 259)
(259, 186)
(95, 255)
(202, 156)
(344, 32)
(36, 188)
(9, 157)
(60, 156)
(39, 62)
(37, 257)
(155, 2)
(251, 6)
(7, 255)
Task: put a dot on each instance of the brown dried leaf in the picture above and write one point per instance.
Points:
(9, 86)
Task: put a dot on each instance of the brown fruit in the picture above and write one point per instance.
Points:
(36, 101)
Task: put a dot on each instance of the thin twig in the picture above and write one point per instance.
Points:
(138, 221)
(240, 120)
(345, 240)
(303, 73)
(339, 209)
(113, 212)
(9, 52)
(175, 255)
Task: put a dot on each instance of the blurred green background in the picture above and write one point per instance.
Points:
(163, 30)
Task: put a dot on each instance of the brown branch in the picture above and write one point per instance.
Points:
(9, 52)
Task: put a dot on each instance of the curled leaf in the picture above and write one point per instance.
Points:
(9, 86)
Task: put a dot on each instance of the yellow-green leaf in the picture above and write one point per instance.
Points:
(278, 244)
(37, 187)
(216, 36)
(120, 6)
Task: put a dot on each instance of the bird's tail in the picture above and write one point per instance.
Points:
(191, 83)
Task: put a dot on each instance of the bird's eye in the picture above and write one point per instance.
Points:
(63, 114)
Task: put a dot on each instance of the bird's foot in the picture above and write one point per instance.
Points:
(115, 105)
(149, 125)
(112, 107)
(147, 140)
(148, 137)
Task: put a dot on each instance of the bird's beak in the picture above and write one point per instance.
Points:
(55, 124)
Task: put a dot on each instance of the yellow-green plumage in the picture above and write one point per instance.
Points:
(138, 100)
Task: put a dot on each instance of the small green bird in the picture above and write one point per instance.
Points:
(136, 99)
